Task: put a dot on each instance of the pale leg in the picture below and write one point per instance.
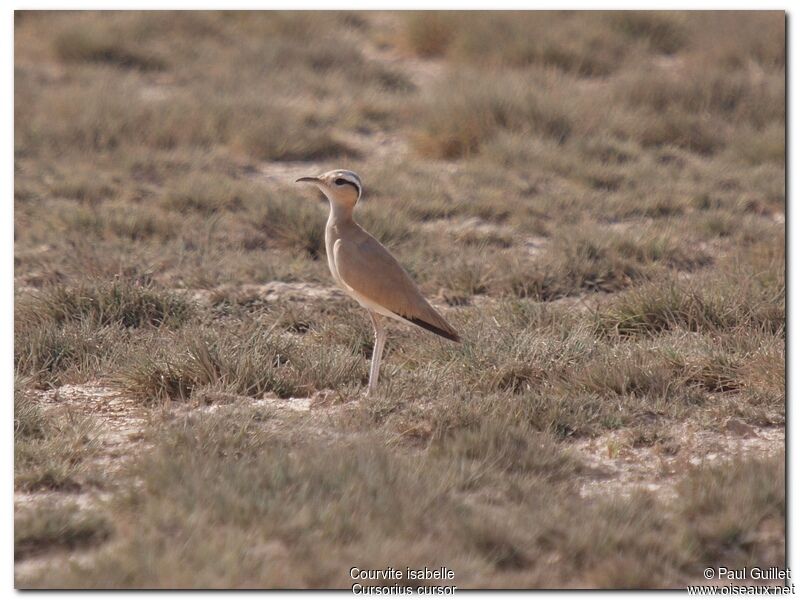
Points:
(377, 352)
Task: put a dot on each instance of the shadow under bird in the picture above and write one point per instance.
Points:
(367, 271)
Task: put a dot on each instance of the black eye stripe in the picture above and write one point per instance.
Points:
(342, 181)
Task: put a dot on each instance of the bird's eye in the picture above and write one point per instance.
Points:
(341, 181)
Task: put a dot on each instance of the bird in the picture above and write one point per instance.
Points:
(368, 272)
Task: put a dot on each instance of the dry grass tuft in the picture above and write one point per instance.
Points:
(87, 44)
(463, 114)
(571, 42)
(123, 303)
(53, 525)
(239, 361)
(51, 448)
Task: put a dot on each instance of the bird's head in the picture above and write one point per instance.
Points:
(339, 186)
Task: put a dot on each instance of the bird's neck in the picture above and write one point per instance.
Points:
(340, 214)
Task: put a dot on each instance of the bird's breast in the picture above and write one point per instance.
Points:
(331, 237)
(330, 240)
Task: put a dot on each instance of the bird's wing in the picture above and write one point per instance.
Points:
(369, 269)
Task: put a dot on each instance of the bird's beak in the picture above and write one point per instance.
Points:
(308, 180)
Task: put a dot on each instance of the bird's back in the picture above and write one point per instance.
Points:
(361, 263)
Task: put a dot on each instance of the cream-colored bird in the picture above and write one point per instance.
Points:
(367, 271)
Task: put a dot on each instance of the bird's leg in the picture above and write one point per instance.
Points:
(377, 352)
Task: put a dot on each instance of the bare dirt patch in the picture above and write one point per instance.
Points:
(268, 292)
(118, 437)
(121, 419)
(617, 465)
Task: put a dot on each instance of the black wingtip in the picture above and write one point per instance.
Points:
(450, 335)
